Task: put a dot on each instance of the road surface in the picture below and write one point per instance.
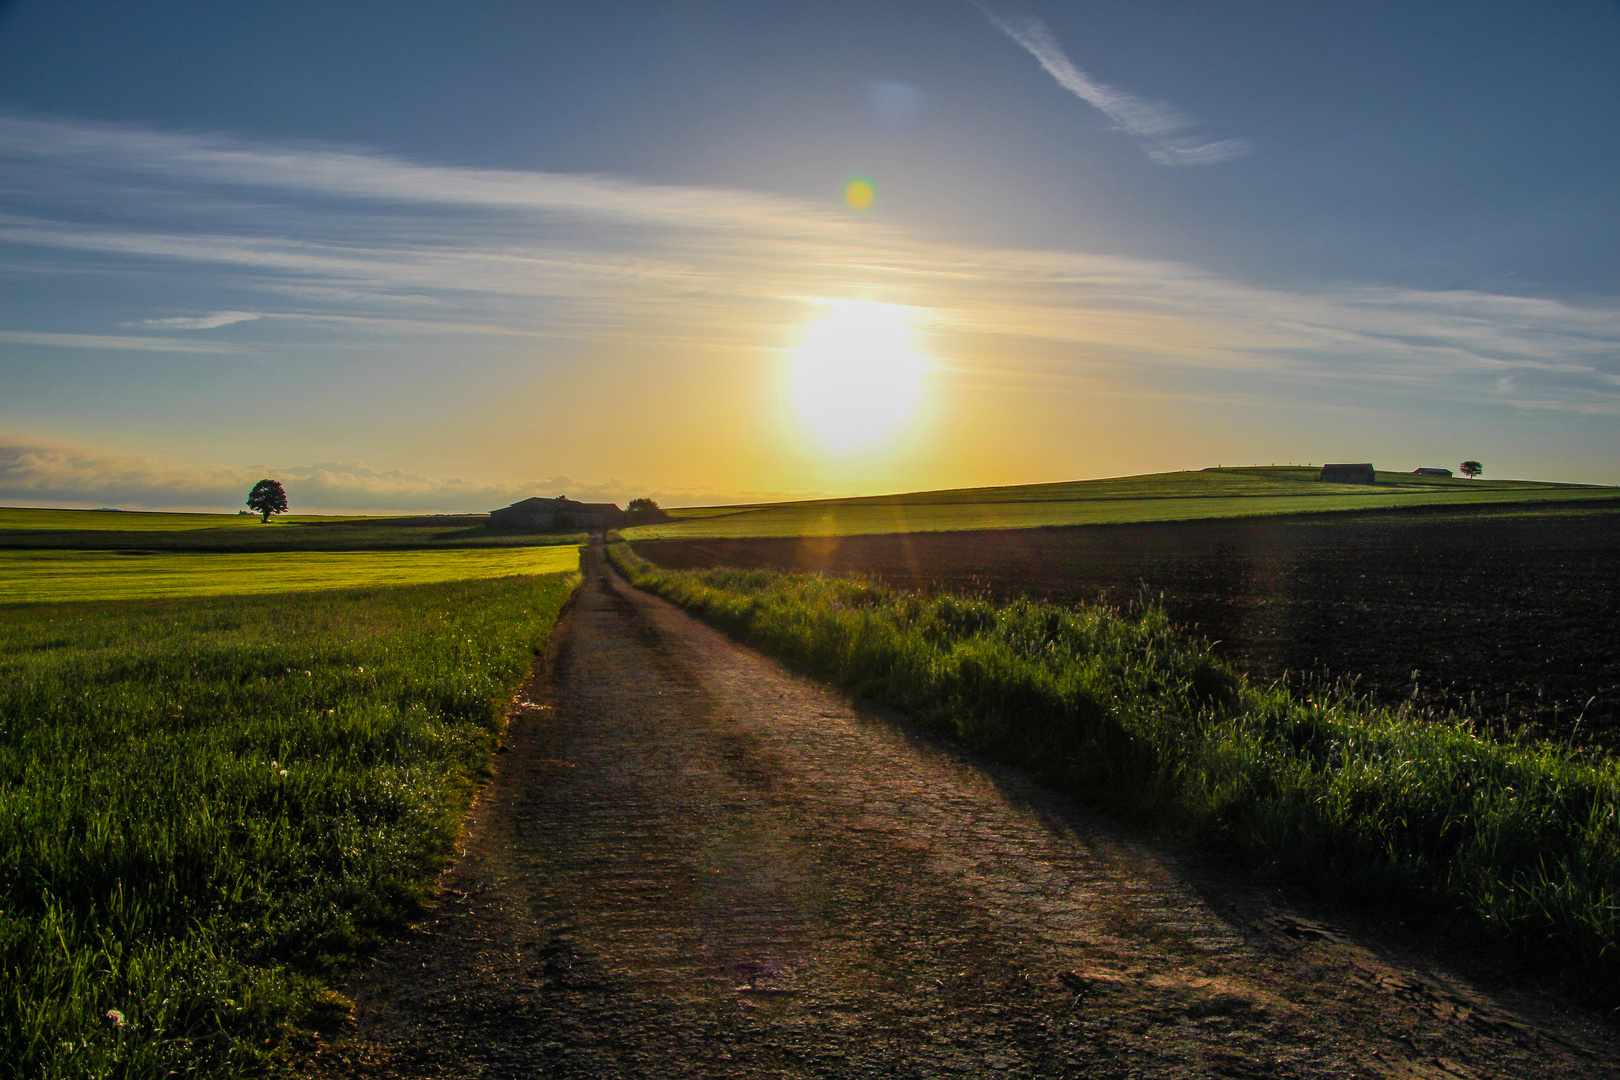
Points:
(691, 862)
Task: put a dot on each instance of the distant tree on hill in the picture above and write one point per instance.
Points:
(267, 497)
(1471, 469)
(644, 510)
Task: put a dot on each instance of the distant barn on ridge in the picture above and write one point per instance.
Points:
(558, 513)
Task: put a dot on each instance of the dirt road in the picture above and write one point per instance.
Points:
(692, 863)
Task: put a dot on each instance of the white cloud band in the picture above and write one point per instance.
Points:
(598, 259)
(52, 472)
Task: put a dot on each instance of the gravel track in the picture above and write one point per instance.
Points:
(693, 863)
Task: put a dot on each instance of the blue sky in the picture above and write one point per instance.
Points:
(435, 256)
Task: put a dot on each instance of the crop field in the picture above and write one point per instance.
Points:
(113, 530)
(130, 575)
(22, 517)
(1507, 613)
(206, 803)
(1180, 496)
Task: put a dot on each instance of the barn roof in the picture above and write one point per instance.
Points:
(561, 503)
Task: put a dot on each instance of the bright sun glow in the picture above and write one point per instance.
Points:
(856, 377)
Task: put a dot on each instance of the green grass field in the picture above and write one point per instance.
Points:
(125, 575)
(1180, 496)
(230, 754)
(207, 803)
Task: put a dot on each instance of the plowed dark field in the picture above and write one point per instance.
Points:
(1513, 618)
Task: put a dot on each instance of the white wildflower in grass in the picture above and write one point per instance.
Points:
(114, 1018)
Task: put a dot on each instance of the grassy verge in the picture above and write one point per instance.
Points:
(205, 803)
(1520, 842)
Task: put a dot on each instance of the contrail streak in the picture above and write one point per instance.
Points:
(1153, 125)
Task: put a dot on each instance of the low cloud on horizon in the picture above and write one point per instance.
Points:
(71, 475)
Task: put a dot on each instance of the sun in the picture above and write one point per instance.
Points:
(856, 377)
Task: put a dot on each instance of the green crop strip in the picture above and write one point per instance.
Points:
(207, 803)
(1419, 813)
(122, 575)
(1183, 496)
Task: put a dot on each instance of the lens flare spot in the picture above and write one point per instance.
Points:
(856, 377)
(859, 193)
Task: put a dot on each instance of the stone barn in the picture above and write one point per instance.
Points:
(540, 515)
(1356, 473)
(578, 515)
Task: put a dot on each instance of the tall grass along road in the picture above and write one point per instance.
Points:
(1518, 842)
(692, 863)
(1507, 614)
(206, 804)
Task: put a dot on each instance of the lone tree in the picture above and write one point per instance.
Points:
(1471, 469)
(267, 497)
(644, 510)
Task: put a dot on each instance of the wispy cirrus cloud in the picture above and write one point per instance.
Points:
(200, 322)
(218, 159)
(1162, 130)
(109, 341)
(358, 245)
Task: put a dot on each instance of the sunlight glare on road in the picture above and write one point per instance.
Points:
(856, 376)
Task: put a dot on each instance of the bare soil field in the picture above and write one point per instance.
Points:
(691, 862)
(1512, 616)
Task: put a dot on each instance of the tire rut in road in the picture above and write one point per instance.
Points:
(693, 863)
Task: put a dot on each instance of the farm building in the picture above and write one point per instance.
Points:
(1423, 471)
(1357, 473)
(558, 513)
